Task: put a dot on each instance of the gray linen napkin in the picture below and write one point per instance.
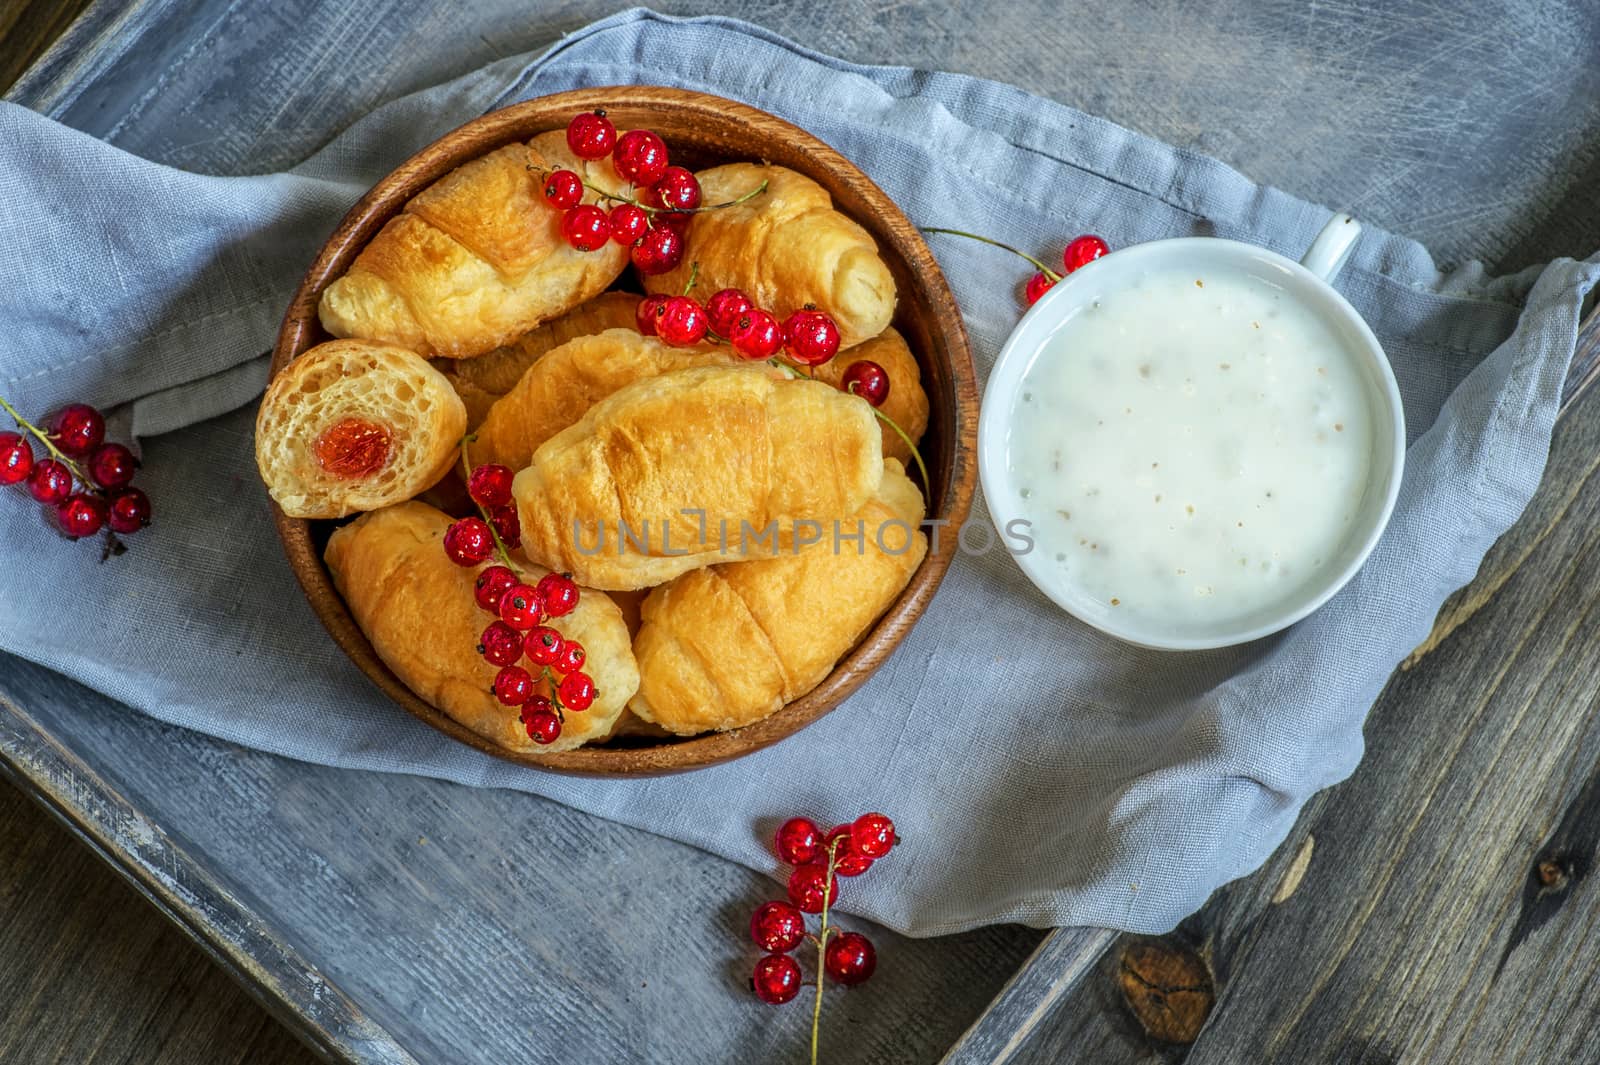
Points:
(1038, 771)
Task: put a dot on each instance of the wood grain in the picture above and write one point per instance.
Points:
(703, 130)
(27, 28)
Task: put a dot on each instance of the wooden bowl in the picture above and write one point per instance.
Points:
(701, 131)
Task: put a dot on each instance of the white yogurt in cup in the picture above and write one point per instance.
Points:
(1203, 438)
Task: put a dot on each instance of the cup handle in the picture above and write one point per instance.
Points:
(1332, 247)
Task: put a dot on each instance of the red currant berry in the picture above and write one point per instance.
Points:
(49, 482)
(468, 541)
(77, 429)
(491, 585)
(683, 322)
(490, 485)
(868, 380)
(129, 511)
(506, 524)
(649, 313)
(1037, 286)
(112, 465)
(811, 336)
(849, 958)
(500, 644)
(806, 886)
(777, 979)
(725, 308)
(677, 221)
(799, 840)
(846, 861)
(658, 251)
(559, 594)
(81, 515)
(16, 458)
(576, 691)
(544, 727)
(513, 685)
(520, 607)
(873, 835)
(678, 190)
(563, 190)
(586, 227)
(777, 927)
(591, 135)
(536, 703)
(571, 658)
(544, 645)
(1081, 251)
(628, 223)
(756, 335)
(640, 157)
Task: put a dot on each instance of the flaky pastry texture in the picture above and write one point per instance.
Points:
(688, 461)
(561, 387)
(482, 380)
(726, 646)
(786, 248)
(407, 406)
(907, 403)
(417, 609)
(476, 259)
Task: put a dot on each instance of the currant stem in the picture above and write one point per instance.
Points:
(466, 478)
(694, 275)
(822, 944)
(926, 480)
(1043, 269)
(44, 438)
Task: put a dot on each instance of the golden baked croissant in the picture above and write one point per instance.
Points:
(786, 248)
(697, 464)
(907, 403)
(482, 380)
(475, 259)
(725, 646)
(561, 387)
(354, 425)
(417, 608)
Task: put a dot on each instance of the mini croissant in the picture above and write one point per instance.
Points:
(476, 259)
(417, 608)
(559, 388)
(907, 403)
(723, 647)
(482, 380)
(352, 425)
(786, 248)
(689, 468)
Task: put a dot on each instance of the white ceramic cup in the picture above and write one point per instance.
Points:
(1306, 282)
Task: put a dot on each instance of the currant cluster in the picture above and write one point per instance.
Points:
(84, 480)
(650, 223)
(1079, 252)
(819, 859)
(523, 613)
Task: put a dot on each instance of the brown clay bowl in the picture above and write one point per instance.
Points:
(700, 131)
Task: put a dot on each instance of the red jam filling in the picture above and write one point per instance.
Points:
(353, 448)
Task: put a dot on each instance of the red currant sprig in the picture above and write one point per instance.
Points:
(819, 859)
(1079, 252)
(521, 610)
(84, 501)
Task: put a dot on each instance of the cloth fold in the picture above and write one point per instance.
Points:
(1038, 771)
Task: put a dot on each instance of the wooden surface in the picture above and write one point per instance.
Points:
(704, 131)
(1477, 133)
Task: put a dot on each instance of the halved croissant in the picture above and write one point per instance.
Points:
(561, 387)
(354, 425)
(786, 248)
(907, 403)
(697, 464)
(417, 608)
(475, 259)
(725, 646)
(482, 380)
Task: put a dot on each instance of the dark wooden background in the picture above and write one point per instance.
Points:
(89, 971)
